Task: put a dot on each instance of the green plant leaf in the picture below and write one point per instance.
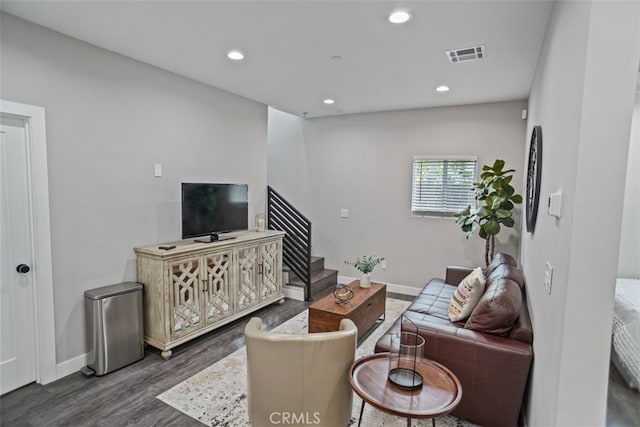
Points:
(483, 234)
(496, 202)
(465, 212)
(516, 198)
(491, 227)
(502, 214)
(484, 212)
(497, 166)
(509, 190)
(509, 222)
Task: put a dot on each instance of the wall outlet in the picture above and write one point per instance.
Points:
(383, 264)
(548, 276)
(344, 213)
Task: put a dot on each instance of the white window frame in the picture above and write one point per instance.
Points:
(441, 213)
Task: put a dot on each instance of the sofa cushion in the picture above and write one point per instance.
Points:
(433, 302)
(499, 259)
(466, 295)
(498, 308)
(506, 271)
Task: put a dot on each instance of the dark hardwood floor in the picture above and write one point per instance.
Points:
(127, 397)
(623, 403)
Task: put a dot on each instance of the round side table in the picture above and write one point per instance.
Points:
(439, 395)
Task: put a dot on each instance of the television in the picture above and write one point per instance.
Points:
(209, 209)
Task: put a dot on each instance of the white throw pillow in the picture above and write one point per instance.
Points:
(467, 295)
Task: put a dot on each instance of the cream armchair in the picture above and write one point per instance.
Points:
(300, 379)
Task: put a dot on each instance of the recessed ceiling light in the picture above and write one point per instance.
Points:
(442, 88)
(399, 17)
(329, 101)
(235, 54)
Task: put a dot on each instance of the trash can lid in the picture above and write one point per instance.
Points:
(112, 290)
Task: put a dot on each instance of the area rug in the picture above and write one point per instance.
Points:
(217, 396)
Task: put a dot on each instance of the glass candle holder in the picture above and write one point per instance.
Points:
(260, 222)
(407, 349)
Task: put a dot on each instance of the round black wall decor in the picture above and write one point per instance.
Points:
(534, 170)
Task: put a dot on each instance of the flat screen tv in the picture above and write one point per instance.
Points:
(213, 208)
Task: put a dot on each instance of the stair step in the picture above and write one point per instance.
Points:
(317, 264)
(320, 281)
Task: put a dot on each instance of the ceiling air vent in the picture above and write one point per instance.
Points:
(466, 54)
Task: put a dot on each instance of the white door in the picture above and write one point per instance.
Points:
(17, 329)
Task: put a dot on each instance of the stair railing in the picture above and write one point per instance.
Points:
(296, 250)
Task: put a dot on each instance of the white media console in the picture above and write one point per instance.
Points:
(197, 287)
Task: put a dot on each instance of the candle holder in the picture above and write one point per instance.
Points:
(407, 350)
(260, 222)
(343, 293)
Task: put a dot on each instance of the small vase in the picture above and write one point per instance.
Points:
(260, 222)
(365, 280)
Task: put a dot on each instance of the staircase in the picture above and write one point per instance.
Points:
(302, 269)
(321, 278)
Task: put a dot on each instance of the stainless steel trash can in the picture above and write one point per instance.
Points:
(114, 326)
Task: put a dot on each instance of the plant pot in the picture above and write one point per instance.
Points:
(365, 280)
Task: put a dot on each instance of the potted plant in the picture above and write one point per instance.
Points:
(365, 265)
(496, 199)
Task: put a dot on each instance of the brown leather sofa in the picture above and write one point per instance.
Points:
(490, 352)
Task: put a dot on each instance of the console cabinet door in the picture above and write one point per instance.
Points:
(247, 293)
(270, 270)
(185, 290)
(218, 289)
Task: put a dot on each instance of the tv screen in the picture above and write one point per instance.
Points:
(213, 208)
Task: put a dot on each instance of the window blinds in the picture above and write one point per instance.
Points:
(442, 186)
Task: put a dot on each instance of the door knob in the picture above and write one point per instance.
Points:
(23, 268)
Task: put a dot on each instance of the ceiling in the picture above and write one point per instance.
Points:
(289, 45)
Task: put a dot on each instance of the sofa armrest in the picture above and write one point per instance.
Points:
(455, 274)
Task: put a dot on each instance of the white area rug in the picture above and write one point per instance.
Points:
(217, 396)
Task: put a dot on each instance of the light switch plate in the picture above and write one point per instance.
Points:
(555, 204)
(157, 170)
(344, 213)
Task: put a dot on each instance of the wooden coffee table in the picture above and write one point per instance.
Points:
(439, 395)
(364, 309)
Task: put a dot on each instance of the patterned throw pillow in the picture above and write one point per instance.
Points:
(466, 296)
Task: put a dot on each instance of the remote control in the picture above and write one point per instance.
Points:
(166, 247)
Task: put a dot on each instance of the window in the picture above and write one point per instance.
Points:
(442, 186)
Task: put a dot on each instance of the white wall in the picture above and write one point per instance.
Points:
(363, 163)
(582, 96)
(109, 119)
(629, 257)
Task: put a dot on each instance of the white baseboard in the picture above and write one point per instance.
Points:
(70, 366)
(391, 287)
(297, 293)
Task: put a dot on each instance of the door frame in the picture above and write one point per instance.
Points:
(35, 131)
